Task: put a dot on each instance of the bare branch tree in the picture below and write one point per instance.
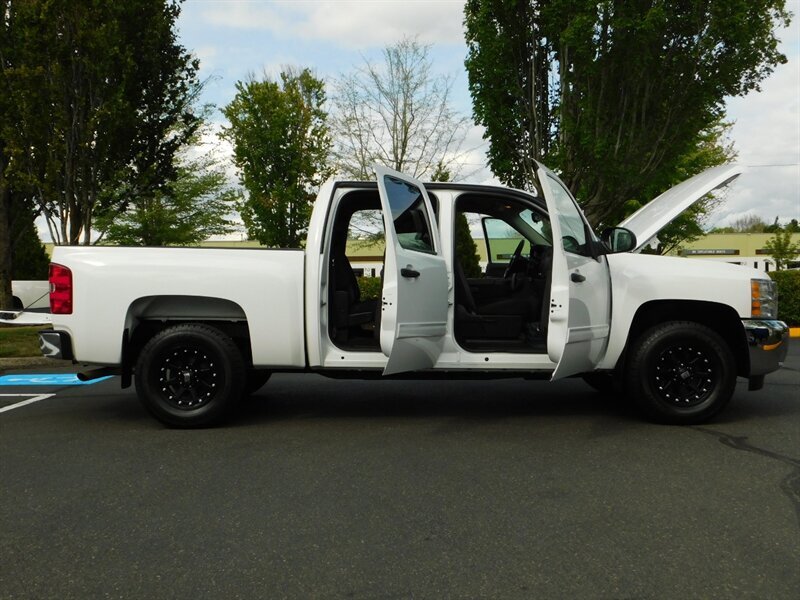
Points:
(398, 114)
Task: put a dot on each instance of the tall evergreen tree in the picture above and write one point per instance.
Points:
(616, 94)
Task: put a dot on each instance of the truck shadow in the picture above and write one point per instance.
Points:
(290, 397)
(296, 397)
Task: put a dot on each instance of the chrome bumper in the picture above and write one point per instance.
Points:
(768, 343)
(55, 344)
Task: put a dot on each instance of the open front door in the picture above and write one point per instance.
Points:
(580, 291)
(414, 297)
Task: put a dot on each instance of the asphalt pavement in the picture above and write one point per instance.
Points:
(322, 488)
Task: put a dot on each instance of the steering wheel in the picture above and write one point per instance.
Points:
(514, 259)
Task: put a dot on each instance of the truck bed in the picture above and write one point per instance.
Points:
(117, 288)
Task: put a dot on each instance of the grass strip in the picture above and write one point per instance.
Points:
(19, 341)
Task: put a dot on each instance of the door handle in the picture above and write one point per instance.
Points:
(577, 277)
(406, 272)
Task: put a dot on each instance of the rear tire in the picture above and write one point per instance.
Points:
(190, 375)
(680, 372)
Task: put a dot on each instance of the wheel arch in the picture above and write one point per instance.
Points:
(720, 318)
(148, 315)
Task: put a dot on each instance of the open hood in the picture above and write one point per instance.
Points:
(658, 213)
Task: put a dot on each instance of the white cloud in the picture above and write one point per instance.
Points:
(472, 160)
(767, 193)
(350, 23)
(766, 135)
(207, 56)
(767, 123)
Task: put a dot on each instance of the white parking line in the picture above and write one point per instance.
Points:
(31, 399)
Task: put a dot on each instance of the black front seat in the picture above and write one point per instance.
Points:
(500, 319)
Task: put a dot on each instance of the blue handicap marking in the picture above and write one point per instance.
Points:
(47, 379)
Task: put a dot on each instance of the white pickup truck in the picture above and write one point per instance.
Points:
(199, 328)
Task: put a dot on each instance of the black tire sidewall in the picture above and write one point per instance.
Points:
(650, 345)
(211, 341)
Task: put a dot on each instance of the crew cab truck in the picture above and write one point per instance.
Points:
(199, 328)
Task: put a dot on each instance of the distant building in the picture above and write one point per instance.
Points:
(746, 249)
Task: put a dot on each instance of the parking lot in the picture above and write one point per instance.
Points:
(350, 489)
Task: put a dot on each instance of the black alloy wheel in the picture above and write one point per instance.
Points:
(190, 375)
(685, 374)
(680, 372)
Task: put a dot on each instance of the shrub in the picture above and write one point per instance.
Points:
(788, 295)
(370, 288)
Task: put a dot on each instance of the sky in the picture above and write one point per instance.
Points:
(237, 38)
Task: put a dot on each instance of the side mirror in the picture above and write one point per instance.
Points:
(619, 239)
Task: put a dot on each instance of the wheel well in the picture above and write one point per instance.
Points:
(16, 303)
(720, 318)
(149, 315)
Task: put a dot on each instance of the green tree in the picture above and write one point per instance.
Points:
(465, 248)
(632, 87)
(185, 212)
(30, 257)
(781, 248)
(17, 208)
(745, 224)
(98, 86)
(89, 91)
(281, 143)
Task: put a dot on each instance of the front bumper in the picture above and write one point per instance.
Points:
(56, 344)
(768, 343)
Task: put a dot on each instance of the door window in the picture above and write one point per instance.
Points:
(412, 223)
(573, 227)
(501, 240)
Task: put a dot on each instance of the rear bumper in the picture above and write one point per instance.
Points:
(56, 344)
(768, 343)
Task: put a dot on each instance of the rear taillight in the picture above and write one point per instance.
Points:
(60, 290)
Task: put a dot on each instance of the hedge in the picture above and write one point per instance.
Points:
(370, 288)
(788, 295)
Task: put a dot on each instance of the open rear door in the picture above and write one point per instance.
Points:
(580, 289)
(414, 297)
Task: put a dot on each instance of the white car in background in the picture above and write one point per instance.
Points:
(31, 295)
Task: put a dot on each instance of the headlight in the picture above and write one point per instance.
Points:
(764, 299)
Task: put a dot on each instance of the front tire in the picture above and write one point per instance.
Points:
(190, 375)
(681, 372)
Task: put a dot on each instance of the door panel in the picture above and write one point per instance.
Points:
(414, 297)
(580, 296)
